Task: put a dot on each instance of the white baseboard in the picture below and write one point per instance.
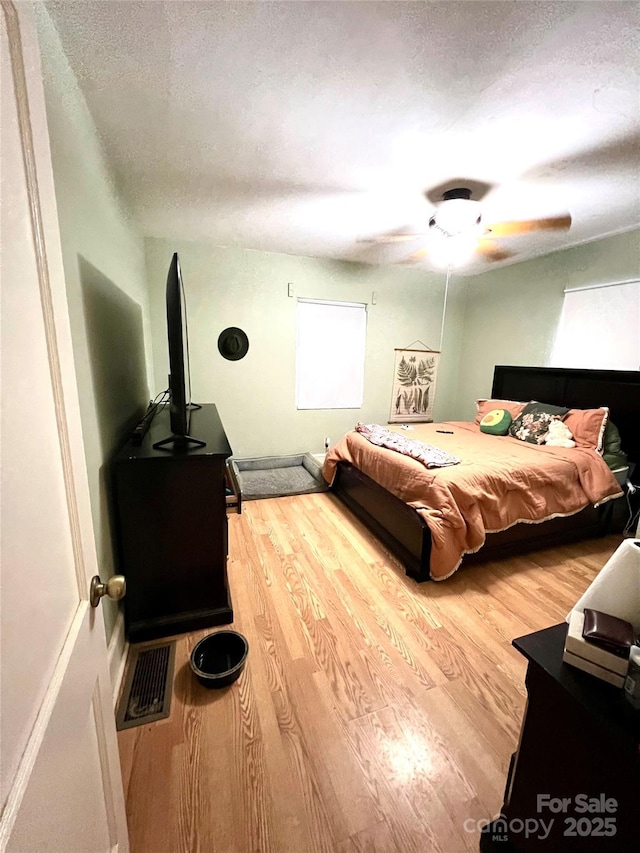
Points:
(117, 656)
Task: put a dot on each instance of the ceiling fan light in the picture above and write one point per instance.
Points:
(456, 215)
(452, 250)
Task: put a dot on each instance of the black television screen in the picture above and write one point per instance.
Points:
(180, 403)
(179, 379)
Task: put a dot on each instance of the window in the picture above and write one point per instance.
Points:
(330, 349)
(600, 328)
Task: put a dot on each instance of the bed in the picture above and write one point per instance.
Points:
(406, 530)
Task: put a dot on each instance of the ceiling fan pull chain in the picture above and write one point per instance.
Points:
(444, 305)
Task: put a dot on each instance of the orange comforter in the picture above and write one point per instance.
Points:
(500, 481)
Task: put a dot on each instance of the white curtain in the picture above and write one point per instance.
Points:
(600, 328)
(330, 349)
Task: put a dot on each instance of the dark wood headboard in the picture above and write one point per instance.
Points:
(579, 389)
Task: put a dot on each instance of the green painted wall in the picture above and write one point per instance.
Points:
(104, 264)
(511, 315)
(256, 396)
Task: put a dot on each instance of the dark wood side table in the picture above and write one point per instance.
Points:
(172, 529)
(577, 763)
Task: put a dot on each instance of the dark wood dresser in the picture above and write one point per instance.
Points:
(171, 529)
(577, 767)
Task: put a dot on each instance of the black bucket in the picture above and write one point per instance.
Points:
(218, 659)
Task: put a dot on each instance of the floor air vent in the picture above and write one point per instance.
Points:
(146, 696)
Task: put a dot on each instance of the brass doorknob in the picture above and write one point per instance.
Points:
(115, 589)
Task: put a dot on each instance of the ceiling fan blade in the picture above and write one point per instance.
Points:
(526, 226)
(415, 256)
(491, 252)
(390, 238)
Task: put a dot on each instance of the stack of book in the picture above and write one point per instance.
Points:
(590, 657)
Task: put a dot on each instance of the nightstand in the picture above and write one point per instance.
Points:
(577, 765)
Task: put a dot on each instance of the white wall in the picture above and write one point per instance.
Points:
(511, 315)
(256, 396)
(104, 263)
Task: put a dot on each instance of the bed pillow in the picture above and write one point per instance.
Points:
(532, 426)
(612, 443)
(535, 406)
(483, 407)
(588, 426)
(496, 422)
(612, 451)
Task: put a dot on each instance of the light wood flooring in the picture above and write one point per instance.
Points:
(374, 714)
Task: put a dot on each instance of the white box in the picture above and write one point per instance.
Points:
(593, 669)
(616, 588)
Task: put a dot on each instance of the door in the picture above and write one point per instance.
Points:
(60, 776)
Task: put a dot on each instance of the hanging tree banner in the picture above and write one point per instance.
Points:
(414, 385)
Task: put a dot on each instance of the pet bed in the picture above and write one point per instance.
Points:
(278, 476)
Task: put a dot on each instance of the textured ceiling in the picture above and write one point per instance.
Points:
(302, 127)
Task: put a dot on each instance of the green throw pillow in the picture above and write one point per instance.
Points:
(496, 422)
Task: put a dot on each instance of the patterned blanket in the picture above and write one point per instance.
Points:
(430, 456)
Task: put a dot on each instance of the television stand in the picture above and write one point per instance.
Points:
(171, 526)
(174, 440)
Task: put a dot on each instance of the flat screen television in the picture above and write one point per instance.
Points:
(180, 404)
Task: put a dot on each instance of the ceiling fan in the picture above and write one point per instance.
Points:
(456, 231)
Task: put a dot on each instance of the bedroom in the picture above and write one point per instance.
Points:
(507, 315)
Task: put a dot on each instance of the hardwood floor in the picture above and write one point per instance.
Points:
(374, 714)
